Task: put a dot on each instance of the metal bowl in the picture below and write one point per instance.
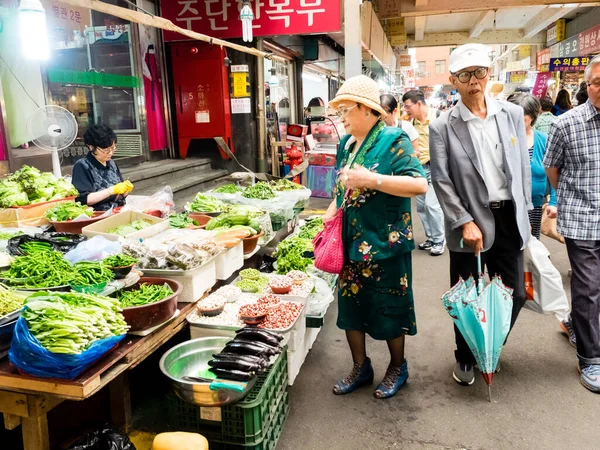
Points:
(190, 359)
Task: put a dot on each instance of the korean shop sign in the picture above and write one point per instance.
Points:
(220, 18)
(569, 64)
(589, 41)
(556, 32)
(540, 87)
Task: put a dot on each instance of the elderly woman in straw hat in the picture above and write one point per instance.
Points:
(378, 173)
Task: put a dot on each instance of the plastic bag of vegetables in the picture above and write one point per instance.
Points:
(58, 338)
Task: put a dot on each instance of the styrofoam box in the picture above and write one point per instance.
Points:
(124, 218)
(230, 261)
(194, 284)
(198, 331)
(297, 333)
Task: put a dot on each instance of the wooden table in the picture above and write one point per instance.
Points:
(26, 400)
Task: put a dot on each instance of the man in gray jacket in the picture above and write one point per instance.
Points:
(481, 174)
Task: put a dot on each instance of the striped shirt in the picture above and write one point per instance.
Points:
(574, 147)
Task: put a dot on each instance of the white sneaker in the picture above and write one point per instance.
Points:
(437, 249)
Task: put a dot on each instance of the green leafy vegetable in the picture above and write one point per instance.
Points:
(206, 203)
(136, 225)
(145, 294)
(228, 189)
(28, 185)
(181, 221)
(69, 323)
(285, 185)
(311, 228)
(68, 211)
(291, 254)
(260, 191)
(119, 260)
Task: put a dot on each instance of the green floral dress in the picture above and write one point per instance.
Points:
(375, 289)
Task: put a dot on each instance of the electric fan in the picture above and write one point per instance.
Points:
(52, 128)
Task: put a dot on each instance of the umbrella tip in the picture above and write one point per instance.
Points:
(490, 393)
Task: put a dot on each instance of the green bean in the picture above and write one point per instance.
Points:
(145, 294)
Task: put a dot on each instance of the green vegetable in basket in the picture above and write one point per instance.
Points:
(228, 189)
(260, 191)
(119, 260)
(9, 300)
(28, 185)
(248, 285)
(68, 211)
(136, 225)
(181, 221)
(91, 273)
(33, 271)
(145, 294)
(68, 323)
(250, 274)
(206, 203)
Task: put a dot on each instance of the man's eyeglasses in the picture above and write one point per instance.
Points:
(111, 149)
(479, 73)
(595, 83)
(343, 112)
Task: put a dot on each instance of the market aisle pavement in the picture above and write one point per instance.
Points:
(538, 402)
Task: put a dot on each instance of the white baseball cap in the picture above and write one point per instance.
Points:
(469, 55)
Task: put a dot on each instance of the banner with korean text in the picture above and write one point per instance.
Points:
(220, 18)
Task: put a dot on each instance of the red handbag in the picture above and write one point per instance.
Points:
(329, 245)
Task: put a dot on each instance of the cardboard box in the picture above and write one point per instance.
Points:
(377, 38)
(124, 218)
(296, 132)
(28, 216)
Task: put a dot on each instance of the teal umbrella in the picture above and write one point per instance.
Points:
(482, 313)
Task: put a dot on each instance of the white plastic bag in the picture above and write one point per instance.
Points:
(543, 283)
(161, 200)
(95, 249)
(319, 300)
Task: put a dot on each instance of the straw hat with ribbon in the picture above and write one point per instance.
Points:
(360, 89)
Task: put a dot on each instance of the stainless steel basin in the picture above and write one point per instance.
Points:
(190, 359)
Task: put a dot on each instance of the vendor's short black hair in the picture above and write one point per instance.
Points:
(547, 104)
(99, 136)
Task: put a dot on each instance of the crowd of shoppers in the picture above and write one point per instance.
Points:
(484, 171)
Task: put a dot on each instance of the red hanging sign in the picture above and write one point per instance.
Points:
(540, 88)
(220, 18)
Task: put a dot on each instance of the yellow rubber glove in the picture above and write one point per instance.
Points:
(129, 186)
(119, 188)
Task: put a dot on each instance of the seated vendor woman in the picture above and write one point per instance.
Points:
(96, 176)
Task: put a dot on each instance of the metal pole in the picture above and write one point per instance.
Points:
(260, 110)
(353, 47)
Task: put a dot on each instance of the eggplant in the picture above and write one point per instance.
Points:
(237, 357)
(253, 334)
(277, 336)
(235, 365)
(246, 348)
(270, 350)
(236, 375)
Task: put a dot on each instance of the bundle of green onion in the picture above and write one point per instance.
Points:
(69, 323)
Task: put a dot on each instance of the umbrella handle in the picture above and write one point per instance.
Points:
(479, 271)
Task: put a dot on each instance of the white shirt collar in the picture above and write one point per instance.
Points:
(493, 108)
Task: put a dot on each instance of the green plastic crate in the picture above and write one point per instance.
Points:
(246, 422)
(315, 321)
(271, 437)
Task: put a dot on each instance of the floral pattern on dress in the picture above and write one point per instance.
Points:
(399, 233)
(350, 281)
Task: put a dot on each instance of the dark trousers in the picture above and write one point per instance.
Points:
(585, 297)
(504, 258)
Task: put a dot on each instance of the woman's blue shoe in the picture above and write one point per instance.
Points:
(394, 378)
(361, 375)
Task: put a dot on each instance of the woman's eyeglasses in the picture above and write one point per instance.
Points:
(479, 73)
(106, 151)
(343, 112)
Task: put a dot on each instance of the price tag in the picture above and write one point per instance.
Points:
(210, 413)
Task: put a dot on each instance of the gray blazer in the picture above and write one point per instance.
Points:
(458, 182)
